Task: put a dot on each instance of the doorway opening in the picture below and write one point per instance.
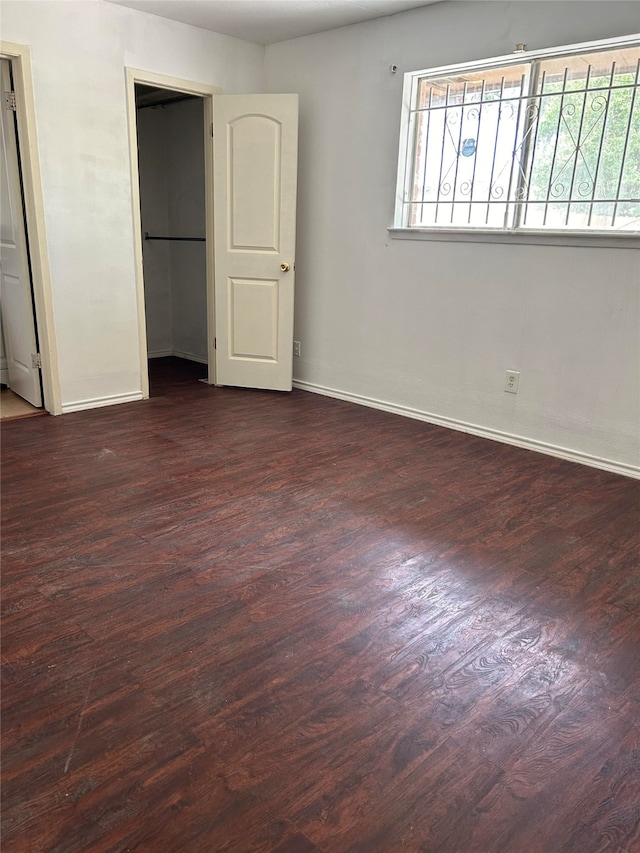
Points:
(171, 166)
(19, 350)
(32, 207)
(250, 308)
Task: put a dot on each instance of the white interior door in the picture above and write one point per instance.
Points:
(255, 174)
(15, 281)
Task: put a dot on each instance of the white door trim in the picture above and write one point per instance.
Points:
(150, 78)
(34, 207)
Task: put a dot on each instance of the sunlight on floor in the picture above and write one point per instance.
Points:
(13, 407)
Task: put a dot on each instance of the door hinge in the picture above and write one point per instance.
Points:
(10, 101)
(211, 128)
(215, 343)
(36, 359)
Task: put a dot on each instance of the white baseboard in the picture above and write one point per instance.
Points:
(98, 402)
(473, 429)
(190, 356)
(178, 354)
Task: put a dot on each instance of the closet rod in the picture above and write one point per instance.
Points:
(148, 236)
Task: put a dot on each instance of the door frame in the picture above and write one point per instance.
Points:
(175, 84)
(20, 59)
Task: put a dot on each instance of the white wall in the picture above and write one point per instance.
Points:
(171, 157)
(433, 326)
(79, 51)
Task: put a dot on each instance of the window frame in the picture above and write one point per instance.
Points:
(514, 233)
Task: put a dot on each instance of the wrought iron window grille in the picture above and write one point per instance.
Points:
(547, 141)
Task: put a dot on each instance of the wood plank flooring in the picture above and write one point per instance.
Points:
(247, 621)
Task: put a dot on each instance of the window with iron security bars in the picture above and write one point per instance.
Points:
(547, 143)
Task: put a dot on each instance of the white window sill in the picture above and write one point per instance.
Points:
(595, 240)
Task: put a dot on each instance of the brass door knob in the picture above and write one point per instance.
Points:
(284, 267)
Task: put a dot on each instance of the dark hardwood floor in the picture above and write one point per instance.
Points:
(247, 621)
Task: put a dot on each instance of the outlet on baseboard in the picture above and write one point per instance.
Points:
(296, 349)
(511, 382)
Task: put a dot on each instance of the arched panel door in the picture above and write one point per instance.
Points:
(255, 175)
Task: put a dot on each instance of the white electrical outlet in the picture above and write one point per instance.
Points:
(296, 348)
(511, 382)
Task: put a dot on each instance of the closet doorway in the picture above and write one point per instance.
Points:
(250, 181)
(171, 166)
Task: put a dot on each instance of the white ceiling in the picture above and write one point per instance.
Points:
(270, 21)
